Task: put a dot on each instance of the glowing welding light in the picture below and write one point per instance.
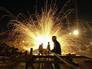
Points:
(45, 41)
(76, 32)
(33, 33)
(40, 40)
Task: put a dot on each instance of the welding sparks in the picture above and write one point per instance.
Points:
(30, 32)
(35, 32)
(39, 29)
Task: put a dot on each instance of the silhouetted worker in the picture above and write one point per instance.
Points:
(41, 49)
(48, 47)
(56, 50)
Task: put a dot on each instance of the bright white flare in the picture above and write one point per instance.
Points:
(76, 32)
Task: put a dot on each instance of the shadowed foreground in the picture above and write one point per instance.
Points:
(43, 62)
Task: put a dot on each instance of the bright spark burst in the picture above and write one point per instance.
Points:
(34, 32)
(30, 32)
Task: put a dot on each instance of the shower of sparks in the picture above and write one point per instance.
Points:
(32, 32)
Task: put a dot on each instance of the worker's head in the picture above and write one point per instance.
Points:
(54, 38)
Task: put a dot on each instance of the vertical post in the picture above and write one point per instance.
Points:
(29, 60)
(31, 51)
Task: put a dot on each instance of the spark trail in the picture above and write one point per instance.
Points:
(34, 32)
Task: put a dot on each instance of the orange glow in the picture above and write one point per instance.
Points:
(34, 32)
